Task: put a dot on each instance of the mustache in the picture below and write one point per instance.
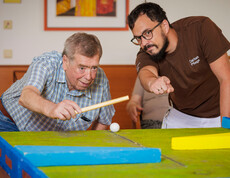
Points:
(146, 47)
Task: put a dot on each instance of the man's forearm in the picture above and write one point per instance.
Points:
(146, 78)
(32, 100)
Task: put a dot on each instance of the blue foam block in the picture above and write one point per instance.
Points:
(226, 122)
(74, 155)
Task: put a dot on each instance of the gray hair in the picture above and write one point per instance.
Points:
(82, 43)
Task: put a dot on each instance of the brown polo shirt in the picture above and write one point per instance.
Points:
(196, 88)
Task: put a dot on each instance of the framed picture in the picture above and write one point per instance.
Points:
(85, 14)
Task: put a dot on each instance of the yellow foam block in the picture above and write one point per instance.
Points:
(211, 141)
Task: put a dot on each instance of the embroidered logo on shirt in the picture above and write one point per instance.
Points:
(194, 61)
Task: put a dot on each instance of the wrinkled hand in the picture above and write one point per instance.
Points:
(64, 110)
(161, 85)
(134, 110)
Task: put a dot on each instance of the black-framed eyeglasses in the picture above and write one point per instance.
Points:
(148, 35)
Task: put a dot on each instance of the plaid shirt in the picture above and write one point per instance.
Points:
(47, 75)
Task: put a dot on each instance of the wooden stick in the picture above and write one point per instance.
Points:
(103, 104)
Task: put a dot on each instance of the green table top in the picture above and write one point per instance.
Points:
(197, 163)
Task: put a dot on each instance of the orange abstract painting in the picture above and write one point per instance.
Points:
(87, 8)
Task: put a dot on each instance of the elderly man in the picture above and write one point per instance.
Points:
(55, 88)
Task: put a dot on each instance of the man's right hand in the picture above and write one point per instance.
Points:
(64, 110)
(154, 83)
(160, 85)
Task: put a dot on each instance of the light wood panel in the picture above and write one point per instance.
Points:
(7, 76)
(121, 80)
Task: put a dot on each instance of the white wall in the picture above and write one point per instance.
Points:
(28, 39)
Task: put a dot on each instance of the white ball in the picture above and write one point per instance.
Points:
(114, 127)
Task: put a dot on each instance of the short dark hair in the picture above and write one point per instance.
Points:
(152, 10)
(83, 44)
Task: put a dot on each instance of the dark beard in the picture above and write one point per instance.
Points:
(160, 56)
